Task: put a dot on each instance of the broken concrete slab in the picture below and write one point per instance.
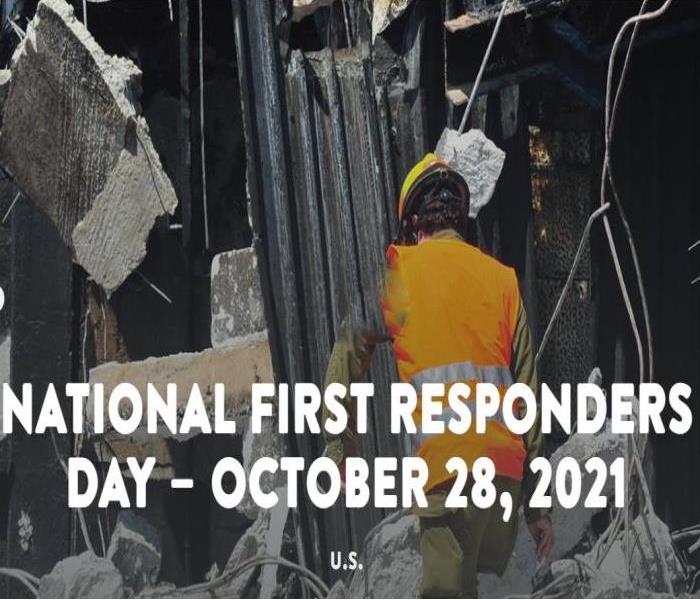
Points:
(251, 544)
(236, 366)
(303, 8)
(110, 241)
(384, 12)
(82, 576)
(476, 158)
(236, 298)
(135, 549)
(570, 525)
(391, 560)
(94, 162)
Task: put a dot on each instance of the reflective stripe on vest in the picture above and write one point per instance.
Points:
(464, 371)
(445, 416)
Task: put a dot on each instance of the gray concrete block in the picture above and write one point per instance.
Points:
(91, 166)
(82, 576)
(236, 298)
(135, 549)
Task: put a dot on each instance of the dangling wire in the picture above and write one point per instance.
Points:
(607, 173)
(482, 68)
(201, 125)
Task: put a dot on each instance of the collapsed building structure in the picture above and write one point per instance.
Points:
(203, 191)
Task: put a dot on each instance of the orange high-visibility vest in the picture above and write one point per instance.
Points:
(452, 311)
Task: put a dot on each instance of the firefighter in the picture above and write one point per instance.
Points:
(453, 314)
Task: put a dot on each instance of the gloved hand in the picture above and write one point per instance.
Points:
(543, 534)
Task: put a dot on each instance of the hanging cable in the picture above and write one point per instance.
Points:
(27, 579)
(201, 125)
(482, 68)
(607, 166)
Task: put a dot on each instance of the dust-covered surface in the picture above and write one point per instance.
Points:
(91, 166)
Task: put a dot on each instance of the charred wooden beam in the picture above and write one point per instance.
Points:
(271, 194)
(41, 329)
(183, 123)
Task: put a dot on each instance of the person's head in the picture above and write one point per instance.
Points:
(433, 197)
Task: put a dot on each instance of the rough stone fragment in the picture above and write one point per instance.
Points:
(82, 576)
(303, 8)
(570, 525)
(391, 560)
(110, 241)
(236, 298)
(135, 549)
(251, 544)
(92, 163)
(464, 21)
(653, 563)
(338, 590)
(235, 366)
(477, 159)
(265, 537)
(164, 589)
(384, 12)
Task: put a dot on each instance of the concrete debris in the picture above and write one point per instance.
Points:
(338, 590)
(653, 563)
(96, 166)
(82, 576)
(273, 544)
(384, 12)
(477, 159)
(251, 544)
(304, 8)
(572, 526)
(391, 560)
(110, 241)
(236, 298)
(637, 573)
(464, 21)
(391, 556)
(268, 443)
(573, 578)
(135, 549)
(164, 589)
(235, 366)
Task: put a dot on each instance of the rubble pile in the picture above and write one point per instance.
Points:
(391, 555)
(135, 549)
(84, 576)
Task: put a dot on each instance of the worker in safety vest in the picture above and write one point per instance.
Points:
(454, 314)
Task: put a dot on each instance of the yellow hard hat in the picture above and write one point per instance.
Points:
(422, 172)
